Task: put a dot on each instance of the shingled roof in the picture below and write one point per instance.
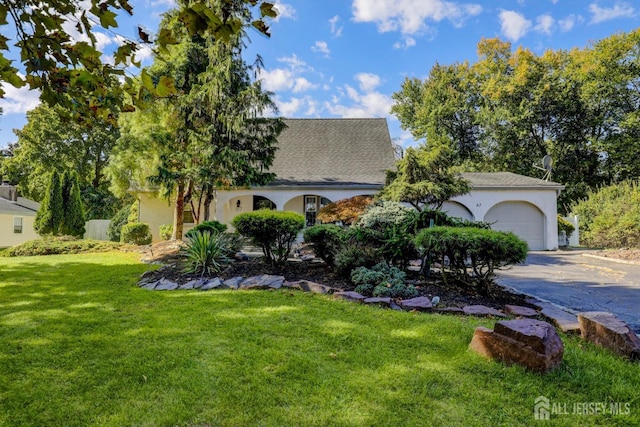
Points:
(507, 179)
(333, 152)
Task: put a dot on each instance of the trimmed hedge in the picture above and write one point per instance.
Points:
(136, 233)
(472, 253)
(273, 231)
(326, 240)
(56, 245)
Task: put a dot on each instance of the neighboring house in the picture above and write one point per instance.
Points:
(325, 160)
(17, 215)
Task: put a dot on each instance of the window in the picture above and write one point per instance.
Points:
(260, 202)
(17, 225)
(312, 205)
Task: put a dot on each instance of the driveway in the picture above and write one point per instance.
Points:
(574, 280)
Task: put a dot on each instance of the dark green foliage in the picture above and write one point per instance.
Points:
(136, 233)
(353, 255)
(566, 226)
(209, 227)
(166, 231)
(49, 216)
(273, 231)
(73, 220)
(326, 240)
(472, 254)
(610, 216)
(55, 245)
(206, 252)
(118, 220)
(134, 212)
(382, 280)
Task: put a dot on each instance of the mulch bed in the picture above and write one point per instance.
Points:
(318, 272)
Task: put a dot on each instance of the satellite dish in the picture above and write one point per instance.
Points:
(547, 166)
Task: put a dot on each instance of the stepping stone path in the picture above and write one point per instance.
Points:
(606, 330)
(531, 343)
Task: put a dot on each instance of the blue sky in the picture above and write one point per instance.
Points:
(345, 58)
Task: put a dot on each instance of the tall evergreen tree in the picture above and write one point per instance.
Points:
(73, 213)
(50, 214)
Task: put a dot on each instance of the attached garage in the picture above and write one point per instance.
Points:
(456, 210)
(522, 218)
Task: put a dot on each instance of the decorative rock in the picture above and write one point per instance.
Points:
(518, 310)
(265, 281)
(383, 302)
(166, 285)
(606, 330)
(149, 285)
(211, 284)
(531, 343)
(307, 286)
(419, 303)
(350, 296)
(193, 284)
(307, 258)
(450, 310)
(481, 310)
(233, 283)
(567, 322)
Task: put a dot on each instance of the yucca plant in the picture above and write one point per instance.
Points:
(206, 252)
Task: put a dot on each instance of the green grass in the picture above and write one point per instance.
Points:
(81, 345)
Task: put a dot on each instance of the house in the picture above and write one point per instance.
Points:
(324, 160)
(17, 215)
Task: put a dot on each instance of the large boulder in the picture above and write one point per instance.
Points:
(531, 343)
(606, 330)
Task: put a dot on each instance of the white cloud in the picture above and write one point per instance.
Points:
(601, 14)
(409, 16)
(18, 101)
(284, 11)
(368, 81)
(295, 63)
(300, 84)
(544, 24)
(277, 79)
(514, 25)
(569, 22)
(336, 30)
(289, 109)
(406, 43)
(321, 47)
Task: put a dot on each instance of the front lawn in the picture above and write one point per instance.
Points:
(81, 345)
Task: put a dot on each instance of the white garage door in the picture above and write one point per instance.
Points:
(523, 219)
(456, 210)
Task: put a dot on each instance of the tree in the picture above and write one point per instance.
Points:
(48, 142)
(69, 70)
(49, 216)
(73, 221)
(345, 211)
(424, 178)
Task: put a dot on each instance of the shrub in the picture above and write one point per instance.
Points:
(326, 240)
(118, 220)
(51, 212)
(472, 253)
(610, 216)
(209, 227)
(566, 226)
(273, 231)
(136, 233)
(206, 252)
(166, 230)
(353, 256)
(134, 212)
(382, 280)
(56, 245)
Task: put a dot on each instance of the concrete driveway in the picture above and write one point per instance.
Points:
(579, 282)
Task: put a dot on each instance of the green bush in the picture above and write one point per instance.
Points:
(382, 280)
(352, 256)
(209, 227)
(566, 226)
(207, 252)
(136, 233)
(472, 254)
(134, 212)
(166, 230)
(273, 231)
(56, 245)
(118, 220)
(610, 216)
(327, 239)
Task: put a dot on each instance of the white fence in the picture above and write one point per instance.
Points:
(96, 229)
(574, 239)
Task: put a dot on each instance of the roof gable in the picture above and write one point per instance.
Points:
(333, 152)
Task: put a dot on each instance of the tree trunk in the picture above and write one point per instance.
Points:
(211, 197)
(178, 213)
